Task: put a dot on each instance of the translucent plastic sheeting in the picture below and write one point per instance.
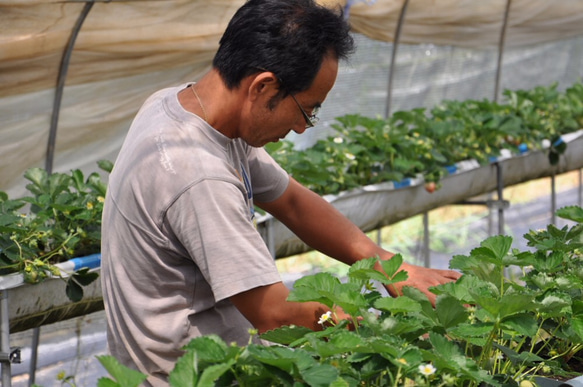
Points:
(427, 74)
(123, 53)
(469, 23)
(126, 50)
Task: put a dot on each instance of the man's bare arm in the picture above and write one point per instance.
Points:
(266, 308)
(325, 229)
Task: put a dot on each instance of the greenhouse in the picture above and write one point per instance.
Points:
(445, 107)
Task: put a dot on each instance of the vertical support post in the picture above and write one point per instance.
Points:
(553, 200)
(500, 190)
(501, 50)
(5, 339)
(379, 236)
(394, 56)
(426, 255)
(490, 221)
(33, 356)
(270, 237)
(580, 193)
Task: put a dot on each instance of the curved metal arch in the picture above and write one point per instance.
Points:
(61, 85)
(394, 56)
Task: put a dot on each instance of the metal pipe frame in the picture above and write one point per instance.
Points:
(62, 76)
(5, 322)
(501, 50)
(394, 57)
(5, 339)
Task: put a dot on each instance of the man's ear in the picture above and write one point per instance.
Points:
(262, 85)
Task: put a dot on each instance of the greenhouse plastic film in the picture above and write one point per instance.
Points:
(126, 50)
(469, 23)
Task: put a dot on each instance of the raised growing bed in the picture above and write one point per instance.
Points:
(31, 306)
(369, 207)
(375, 206)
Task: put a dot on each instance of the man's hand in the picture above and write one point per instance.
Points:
(423, 278)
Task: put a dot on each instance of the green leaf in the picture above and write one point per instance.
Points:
(124, 376)
(523, 323)
(577, 325)
(78, 180)
(349, 299)
(319, 281)
(286, 334)
(574, 213)
(391, 266)
(105, 165)
(94, 181)
(444, 347)
(462, 289)
(85, 277)
(106, 382)
(363, 270)
(402, 304)
(321, 375)
(507, 305)
(73, 290)
(554, 304)
(58, 183)
(38, 177)
(340, 342)
(450, 311)
(523, 358)
(498, 245)
(281, 357)
(426, 308)
(185, 372)
(212, 373)
(312, 288)
(210, 348)
(340, 382)
(467, 330)
(306, 294)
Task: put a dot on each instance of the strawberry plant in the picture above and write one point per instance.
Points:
(513, 315)
(63, 221)
(418, 142)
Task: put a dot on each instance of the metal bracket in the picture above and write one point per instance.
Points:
(13, 357)
(492, 204)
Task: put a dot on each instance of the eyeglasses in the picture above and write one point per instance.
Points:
(311, 120)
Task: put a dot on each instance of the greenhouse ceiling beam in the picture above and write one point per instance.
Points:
(106, 1)
(62, 76)
(394, 57)
(501, 44)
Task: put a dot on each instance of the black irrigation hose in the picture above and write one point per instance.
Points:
(61, 85)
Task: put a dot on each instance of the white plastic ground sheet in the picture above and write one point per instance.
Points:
(125, 50)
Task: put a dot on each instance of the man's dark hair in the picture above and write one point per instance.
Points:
(287, 37)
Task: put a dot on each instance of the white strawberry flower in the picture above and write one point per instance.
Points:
(427, 369)
(325, 317)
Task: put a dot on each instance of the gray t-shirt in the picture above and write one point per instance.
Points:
(178, 237)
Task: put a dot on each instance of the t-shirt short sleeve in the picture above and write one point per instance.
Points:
(268, 178)
(211, 220)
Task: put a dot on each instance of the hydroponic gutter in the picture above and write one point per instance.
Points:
(375, 206)
(32, 306)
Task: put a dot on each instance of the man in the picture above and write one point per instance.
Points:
(181, 255)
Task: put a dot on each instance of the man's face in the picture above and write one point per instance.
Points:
(272, 122)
